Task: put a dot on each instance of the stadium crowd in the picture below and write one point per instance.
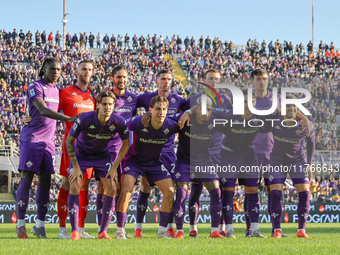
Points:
(22, 55)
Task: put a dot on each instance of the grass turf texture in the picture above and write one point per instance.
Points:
(325, 240)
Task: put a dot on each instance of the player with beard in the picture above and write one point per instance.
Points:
(125, 106)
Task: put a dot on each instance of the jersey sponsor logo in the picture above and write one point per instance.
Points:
(166, 131)
(286, 140)
(198, 137)
(51, 100)
(172, 111)
(74, 94)
(129, 99)
(123, 109)
(85, 106)
(145, 130)
(112, 127)
(103, 136)
(29, 164)
(32, 92)
(154, 141)
(92, 127)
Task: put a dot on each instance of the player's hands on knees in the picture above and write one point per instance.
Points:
(76, 175)
(113, 175)
(185, 118)
(26, 119)
(146, 119)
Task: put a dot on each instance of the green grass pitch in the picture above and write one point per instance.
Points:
(325, 240)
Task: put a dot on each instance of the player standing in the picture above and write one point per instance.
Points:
(73, 100)
(37, 148)
(168, 155)
(125, 106)
(288, 152)
(93, 131)
(143, 158)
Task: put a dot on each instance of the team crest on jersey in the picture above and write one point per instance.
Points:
(173, 100)
(177, 175)
(166, 131)
(92, 127)
(29, 163)
(112, 127)
(271, 178)
(32, 92)
(192, 175)
(298, 132)
(74, 127)
(129, 99)
(277, 127)
(126, 169)
(210, 126)
(145, 130)
(223, 180)
(74, 94)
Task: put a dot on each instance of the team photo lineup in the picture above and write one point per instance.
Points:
(125, 121)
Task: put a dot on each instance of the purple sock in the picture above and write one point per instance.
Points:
(179, 208)
(142, 204)
(246, 213)
(227, 206)
(164, 218)
(194, 202)
(222, 218)
(121, 219)
(215, 207)
(303, 208)
(253, 205)
(99, 204)
(276, 208)
(268, 208)
(73, 210)
(42, 199)
(22, 197)
(116, 202)
(108, 207)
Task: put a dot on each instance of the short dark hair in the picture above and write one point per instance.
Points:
(103, 94)
(166, 71)
(258, 72)
(47, 61)
(85, 61)
(118, 68)
(158, 99)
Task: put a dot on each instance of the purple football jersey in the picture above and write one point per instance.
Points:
(176, 103)
(92, 137)
(216, 141)
(125, 107)
(264, 142)
(148, 142)
(41, 129)
(288, 143)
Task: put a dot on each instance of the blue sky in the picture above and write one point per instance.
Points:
(229, 20)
